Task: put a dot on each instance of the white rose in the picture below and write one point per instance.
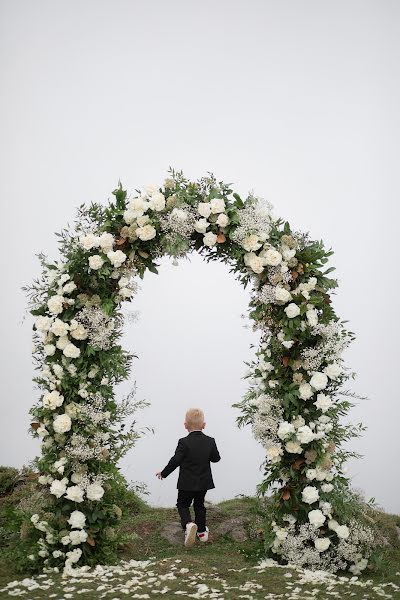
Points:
(75, 493)
(333, 370)
(272, 257)
(89, 241)
(282, 295)
(322, 544)
(304, 434)
(49, 349)
(55, 304)
(251, 243)
(71, 351)
(274, 453)
(201, 225)
(310, 474)
(319, 381)
(157, 201)
(62, 342)
(180, 214)
(312, 317)
(138, 206)
(342, 531)
(222, 220)
(59, 328)
(76, 477)
(256, 263)
(285, 429)
(293, 448)
(118, 257)
(316, 517)
(52, 400)
(106, 241)
(129, 216)
(69, 287)
(145, 233)
(305, 391)
(332, 524)
(96, 262)
(58, 487)
(79, 333)
(204, 209)
(95, 491)
(62, 423)
(141, 221)
(310, 494)
(209, 239)
(327, 487)
(77, 537)
(217, 205)
(43, 323)
(323, 402)
(292, 310)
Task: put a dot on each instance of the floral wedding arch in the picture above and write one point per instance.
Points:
(295, 398)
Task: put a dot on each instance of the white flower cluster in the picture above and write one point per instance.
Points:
(97, 325)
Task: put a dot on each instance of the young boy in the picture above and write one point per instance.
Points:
(193, 456)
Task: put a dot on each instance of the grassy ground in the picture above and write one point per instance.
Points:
(151, 567)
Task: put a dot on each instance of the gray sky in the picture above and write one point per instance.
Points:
(297, 100)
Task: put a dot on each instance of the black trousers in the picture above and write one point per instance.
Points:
(183, 503)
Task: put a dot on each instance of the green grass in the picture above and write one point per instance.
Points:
(219, 569)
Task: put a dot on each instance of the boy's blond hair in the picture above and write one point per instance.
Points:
(194, 418)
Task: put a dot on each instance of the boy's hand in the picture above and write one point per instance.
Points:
(159, 475)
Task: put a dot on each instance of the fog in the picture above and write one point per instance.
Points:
(297, 101)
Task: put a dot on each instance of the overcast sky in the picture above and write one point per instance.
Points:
(297, 100)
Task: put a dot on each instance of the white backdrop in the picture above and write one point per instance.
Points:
(297, 100)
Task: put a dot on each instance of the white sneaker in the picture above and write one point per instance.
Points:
(190, 534)
(203, 537)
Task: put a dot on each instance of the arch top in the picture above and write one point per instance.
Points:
(295, 396)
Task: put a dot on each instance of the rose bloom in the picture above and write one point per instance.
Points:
(62, 423)
(89, 241)
(52, 400)
(316, 518)
(217, 205)
(251, 243)
(274, 453)
(58, 487)
(310, 494)
(43, 323)
(322, 544)
(323, 402)
(319, 381)
(293, 448)
(96, 262)
(312, 317)
(55, 304)
(305, 391)
(282, 295)
(204, 209)
(333, 370)
(157, 201)
(106, 241)
(209, 239)
(59, 328)
(272, 257)
(201, 225)
(256, 263)
(292, 310)
(77, 536)
(222, 220)
(342, 531)
(49, 349)
(145, 233)
(285, 429)
(74, 493)
(95, 491)
(117, 258)
(71, 351)
(304, 434)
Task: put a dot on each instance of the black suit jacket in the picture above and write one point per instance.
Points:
(193, 455)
